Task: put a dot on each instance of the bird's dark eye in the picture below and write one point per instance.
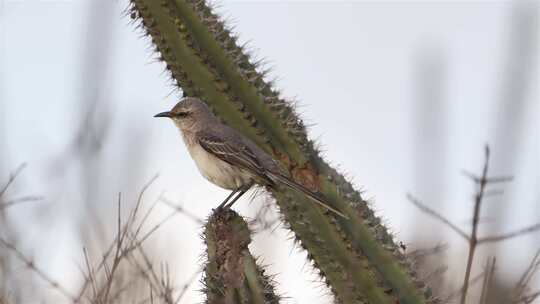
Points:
(182, 114)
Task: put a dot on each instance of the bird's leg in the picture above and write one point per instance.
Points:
(229, 205)
(243, 190)
(227, 199)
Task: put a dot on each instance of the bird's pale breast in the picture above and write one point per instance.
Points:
(217, 171)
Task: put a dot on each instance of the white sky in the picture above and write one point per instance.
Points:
(354, 66)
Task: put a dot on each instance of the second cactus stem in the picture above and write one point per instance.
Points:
(232, 275)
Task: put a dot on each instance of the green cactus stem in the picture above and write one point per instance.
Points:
(357, 257)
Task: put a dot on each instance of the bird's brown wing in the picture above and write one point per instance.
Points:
(232, 152)
(235, 153)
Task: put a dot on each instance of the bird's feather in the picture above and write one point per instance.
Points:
(235, 154)
(238, 154)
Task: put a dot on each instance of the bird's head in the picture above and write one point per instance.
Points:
(186, 113)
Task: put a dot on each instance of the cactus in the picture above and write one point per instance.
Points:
(231, 273)
(356, 257)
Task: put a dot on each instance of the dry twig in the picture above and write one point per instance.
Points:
(473, 239)
(31, 265)
(488, 277)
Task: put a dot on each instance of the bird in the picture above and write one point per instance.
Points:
(227, 158)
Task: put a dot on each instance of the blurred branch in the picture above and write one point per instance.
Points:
(19, 200)
(125, 243)
(118, 253)
(522, 285)
(482, 182)
(159, 286)
(436, 215)
(162, 286)
(12, 178)
(181, 210)
(489, 180)
(473, 240)
(528, 299)
(454, 294)
(529, 272)
(4, 203)
(32, 266)
(186, 286)
(510, 235)
(266, 219)
(420, 254)
(489, 271)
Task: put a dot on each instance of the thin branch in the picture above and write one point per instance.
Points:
(528, 299)
(510, 235)
(20, 200)
(489, 271)
(91, 275)
(473, 240)
(136, 243)
(12, 178)
(118, 253)
(489, 180)
(436, 215)
(31, 265)
(181, 210)
(186, 286)
(145, 217)
(458, 292)
(420, 254)
(523, 284)
(533, 267)
(437, 273)
(103, 263)
(139, 199)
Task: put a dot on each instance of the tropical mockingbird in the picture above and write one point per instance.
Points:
(227, 158)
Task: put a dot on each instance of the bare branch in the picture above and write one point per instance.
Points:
(489, 271)
(510, 235)
(19, 200)
(523, 284)
(137, 243)
(31, 265)
(436, 215)
(181, 210)
(12, 178)
(139, 200)
(118, 253)
(186, 286)
(91, 275)
(489, 180)
(458, 292)
(118, 240)
(473, 241)
(528, 299)
(419, 254)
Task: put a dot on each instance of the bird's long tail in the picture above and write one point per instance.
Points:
(317, 198)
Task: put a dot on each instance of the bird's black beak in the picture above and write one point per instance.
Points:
(164, 114)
